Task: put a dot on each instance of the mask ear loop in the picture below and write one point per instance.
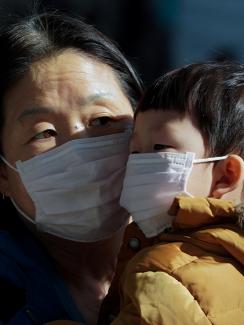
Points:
(12, 200)
(8, 164)
(188, 166)
(203, 160)
(22, 213)
(200, 161)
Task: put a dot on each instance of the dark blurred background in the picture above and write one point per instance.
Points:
(159, 35)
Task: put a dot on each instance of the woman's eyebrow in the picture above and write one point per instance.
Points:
(92, 98)
(33, 111)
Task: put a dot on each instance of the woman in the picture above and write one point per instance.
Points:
(67, 96)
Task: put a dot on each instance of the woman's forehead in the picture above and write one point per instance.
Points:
(71, 67)
(69, 79)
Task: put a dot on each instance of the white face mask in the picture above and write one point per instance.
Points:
(151, 183)
(76, 187)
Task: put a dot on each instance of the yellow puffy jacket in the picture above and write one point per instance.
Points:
(193, 275)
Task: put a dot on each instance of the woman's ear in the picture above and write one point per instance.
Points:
(228, 177)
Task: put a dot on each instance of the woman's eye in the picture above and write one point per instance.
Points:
(45, 134)
(101, 121)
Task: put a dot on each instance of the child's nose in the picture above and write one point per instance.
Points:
(135, 146)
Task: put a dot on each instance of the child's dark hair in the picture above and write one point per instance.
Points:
(212, 93)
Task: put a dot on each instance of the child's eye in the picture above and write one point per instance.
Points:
(161, 147)
(45, 134)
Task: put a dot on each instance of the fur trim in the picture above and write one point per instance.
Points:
(239, 212)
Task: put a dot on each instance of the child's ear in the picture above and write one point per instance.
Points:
(228, 175)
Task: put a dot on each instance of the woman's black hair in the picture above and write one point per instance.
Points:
(26, 40)
(212, 94)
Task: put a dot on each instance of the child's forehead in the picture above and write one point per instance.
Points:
(169, 128)
(159, 118)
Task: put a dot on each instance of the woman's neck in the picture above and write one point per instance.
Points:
(87, 269)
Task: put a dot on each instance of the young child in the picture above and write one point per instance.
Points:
(183, 185)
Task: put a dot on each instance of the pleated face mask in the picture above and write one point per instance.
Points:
(151, 183)
(76, 187)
